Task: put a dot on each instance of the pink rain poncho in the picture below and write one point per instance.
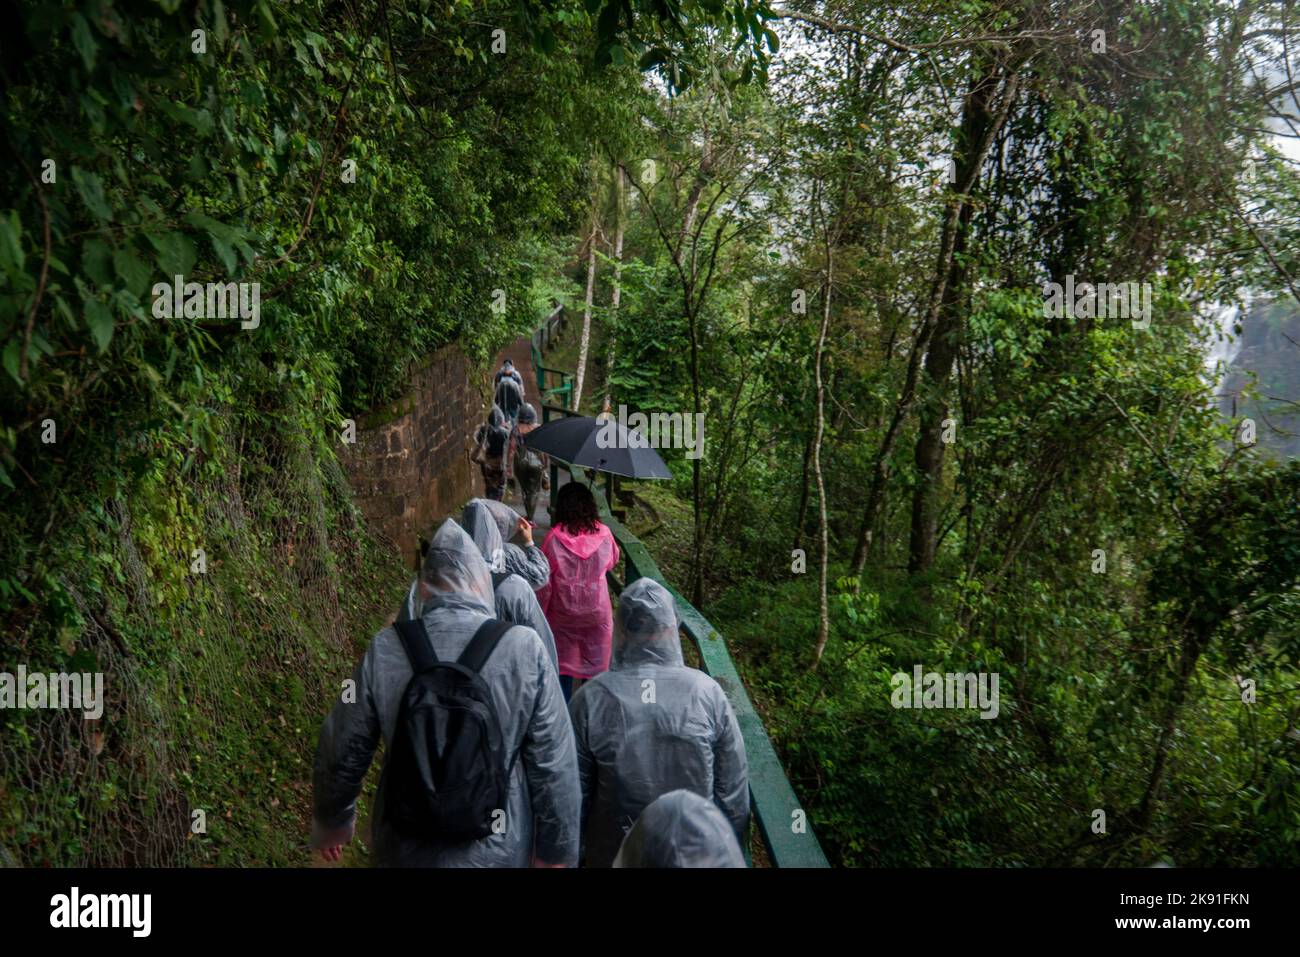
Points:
(576, 599)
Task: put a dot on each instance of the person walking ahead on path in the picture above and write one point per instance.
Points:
(492, 452)
(541, 783)
(651, 725)
(532, 468)
(526, 561)
(491, 524)
(516, 600)
(576, 600)
(509, 397)
(508, 370)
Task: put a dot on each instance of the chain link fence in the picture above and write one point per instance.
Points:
(218, 668)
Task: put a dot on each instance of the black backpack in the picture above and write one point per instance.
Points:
(523, 454)
(447, 778)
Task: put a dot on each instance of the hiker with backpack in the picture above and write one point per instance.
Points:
(508, 370)
(479, 767)
(492, 452)
(522, 569)
(509, 397)
(651, 725)
(531, 468)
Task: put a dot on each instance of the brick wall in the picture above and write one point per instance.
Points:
(410, 467)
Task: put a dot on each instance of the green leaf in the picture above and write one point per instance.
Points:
(133, 272)
(95, 262)
(11, 354)
(226, 253)
(176, 253)
(200, 120)
(83, 40)
(221, 236)
(11, 249)
(652, 58)
(253, 94)
(99, 319)
(91, 191)
(266, 20)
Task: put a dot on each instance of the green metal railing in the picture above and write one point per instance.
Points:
(786, 832)
(542, 337)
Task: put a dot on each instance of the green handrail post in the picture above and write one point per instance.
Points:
(541, 340)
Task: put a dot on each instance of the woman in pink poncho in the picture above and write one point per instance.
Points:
(576, 600)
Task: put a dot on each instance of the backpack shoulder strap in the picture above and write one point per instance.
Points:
(484, 642)
(419, 650)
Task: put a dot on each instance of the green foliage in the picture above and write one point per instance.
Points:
(387, 181)
(750, 213)
(1122, 687)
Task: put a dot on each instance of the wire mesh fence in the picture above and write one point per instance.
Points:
(217, 668)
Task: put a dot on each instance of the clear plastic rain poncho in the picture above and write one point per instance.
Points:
(483, 520)
(544, 799)
(507, 518)
(680, 829)
(494, 434)
(509, 396)
(517, 604)
(651, 725)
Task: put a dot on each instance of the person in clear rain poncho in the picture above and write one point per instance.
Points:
(493, 451)
(517, 603)
(544, 798)
(491, 525)
(651, 725)
(515, 599)
(680, 829)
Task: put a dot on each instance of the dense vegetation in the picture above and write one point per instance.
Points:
(843, 270)
(382, 179)
(826, 228)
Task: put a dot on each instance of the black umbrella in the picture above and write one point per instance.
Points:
(578, 440)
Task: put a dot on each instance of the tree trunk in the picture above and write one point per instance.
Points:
(984, 116)
(823, 610)
(1193, 645)
(948, 236)
(929, 450)
(697, 478)
(585, 341)
(801, 520)
(616, 295)
(697, 191)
